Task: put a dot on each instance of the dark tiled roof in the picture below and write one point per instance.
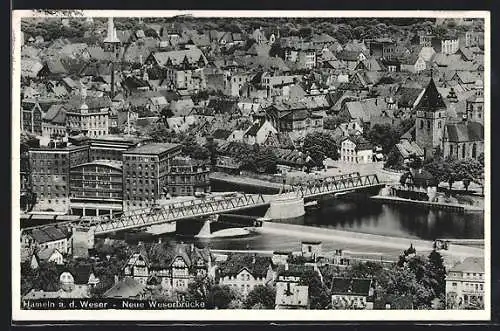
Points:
(257, 265)
(351, 286)
(221, 134)
(465, 131)
(297, 270)
(431, 100)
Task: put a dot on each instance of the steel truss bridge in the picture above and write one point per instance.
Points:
(223, 204)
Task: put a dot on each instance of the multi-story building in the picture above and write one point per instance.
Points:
(243, 272)
(191, 80)
(96, 188)
(31, 120)
(50, 174)
(145, 173)
(187, 176)
(356, 150)
(110, 147)
(465, 283)
(352, 293)
(89, 116)
(447, 45)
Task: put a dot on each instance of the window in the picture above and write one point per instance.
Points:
(463, 151)
(439, 125)
(421, 124)
(428, 125)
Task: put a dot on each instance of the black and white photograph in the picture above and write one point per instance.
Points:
(206, 164)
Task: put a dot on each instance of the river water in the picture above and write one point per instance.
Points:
(358, 215)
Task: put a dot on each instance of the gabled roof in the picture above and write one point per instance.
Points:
(431, 99)
(256, 265)
(465, 132)
(193, 55)
(56, 114)
(407, 148)
(470, 264)
(126, 288)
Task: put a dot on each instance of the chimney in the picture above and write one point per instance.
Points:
(192, 247)
(159, 240)
(253, 259)
(286, 266)
(116, 279)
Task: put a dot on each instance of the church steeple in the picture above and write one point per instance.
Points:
(111, 33)
(431, 99)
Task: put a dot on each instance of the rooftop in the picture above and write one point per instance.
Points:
(156, 148)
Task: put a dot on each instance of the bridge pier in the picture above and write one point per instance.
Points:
(285, 208)
(82, 241)
(206, 231)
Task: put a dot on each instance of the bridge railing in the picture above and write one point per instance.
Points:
(170, 213)
(334, 183)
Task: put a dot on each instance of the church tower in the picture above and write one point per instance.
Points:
(112, 46)
(430, 121)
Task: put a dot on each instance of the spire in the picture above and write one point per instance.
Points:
(111, 32)
(431, 100)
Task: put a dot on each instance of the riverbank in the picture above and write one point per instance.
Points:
(374, 243)
(428, 204)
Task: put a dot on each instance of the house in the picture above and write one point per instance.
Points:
(364, 109)
(412, 63)
(54, 121)
(30, 68)
(409, 150)
(32, 114)
(291, 295)
(242, 272)
(408, 97)
(258, 132)
(356, 150)
(127, 288)
(351, 58)
(192, 56)
(47, 238)
(352, 293)
(51, 255)
(417, 184)
(447, 45)
(465, 283)
(311, 249)
(137, 268)
(293, 117)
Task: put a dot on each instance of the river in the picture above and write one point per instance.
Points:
(357, 215)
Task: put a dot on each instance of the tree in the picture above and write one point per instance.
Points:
(468, 170)
(394, 160)
(319, 295)
(165, 113)
(220, 296)
(191, 147)
(319, 146)
(404, 283)
(261, 296)
(436, 273)
(265, 160)
(276, 50)
(383, 135)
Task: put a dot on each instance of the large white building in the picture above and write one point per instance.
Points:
(465, 283)
(356, 150)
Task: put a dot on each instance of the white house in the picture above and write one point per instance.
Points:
(356, 150)
(258, 132)
(465, 282)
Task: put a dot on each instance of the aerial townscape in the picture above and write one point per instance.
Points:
(253, 163)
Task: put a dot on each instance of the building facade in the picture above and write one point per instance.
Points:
(465, 283)
(187, 176)
(145, 173)
(96, 188)
(50, 174)
(356, 150)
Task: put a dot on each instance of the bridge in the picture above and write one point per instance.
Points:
(215, 205)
